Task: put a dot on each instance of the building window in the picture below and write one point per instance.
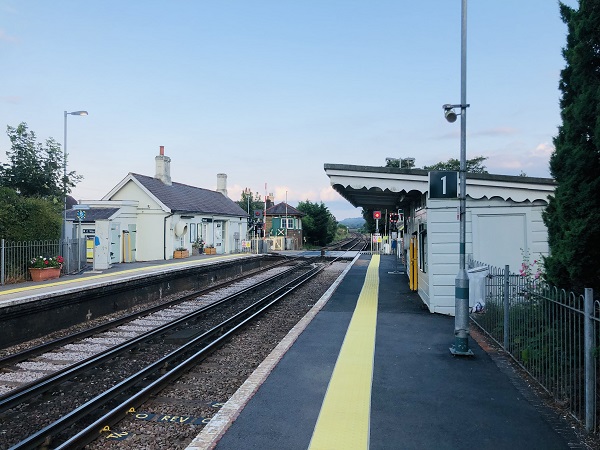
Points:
(193, 232)
(423, 247)
(287, 223)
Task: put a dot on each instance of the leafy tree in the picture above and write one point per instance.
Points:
(318, 226)
(35, 169)
(27, 219)
(341, 232)
(474, 165)
(251, 201)
(369, 226)
(573, 213)
(406, 163)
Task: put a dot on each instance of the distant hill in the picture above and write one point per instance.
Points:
(353, 223)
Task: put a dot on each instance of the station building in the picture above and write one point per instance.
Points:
(147, 218)
(503, 221)
(284, 226)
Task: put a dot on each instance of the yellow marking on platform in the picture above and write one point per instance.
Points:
(121, 272)
(344, 418)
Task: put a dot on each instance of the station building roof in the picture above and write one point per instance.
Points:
(178, 197)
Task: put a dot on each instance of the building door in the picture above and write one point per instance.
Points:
(219, 237)
(129, 241)
(115, 243)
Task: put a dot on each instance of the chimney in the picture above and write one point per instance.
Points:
(163, 167)
(269, 201)
(222, 183)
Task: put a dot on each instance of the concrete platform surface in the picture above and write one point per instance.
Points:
(422, 397)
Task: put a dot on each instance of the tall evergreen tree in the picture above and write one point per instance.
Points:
(573, 214)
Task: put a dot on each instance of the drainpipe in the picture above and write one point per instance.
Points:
(165, 235)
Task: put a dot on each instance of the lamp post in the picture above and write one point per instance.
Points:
(461, 284)
(64, 231)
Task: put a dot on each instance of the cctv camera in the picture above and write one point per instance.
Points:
(450, 115)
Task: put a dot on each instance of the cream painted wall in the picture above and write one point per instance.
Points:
(496, 230)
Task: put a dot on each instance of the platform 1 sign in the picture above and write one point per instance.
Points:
(443, 184)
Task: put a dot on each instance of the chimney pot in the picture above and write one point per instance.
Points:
(162, 150)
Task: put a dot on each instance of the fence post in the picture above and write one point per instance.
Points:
(506, 306)
(590, 381)
(2, 263)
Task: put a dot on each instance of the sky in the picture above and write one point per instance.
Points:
(268, 91)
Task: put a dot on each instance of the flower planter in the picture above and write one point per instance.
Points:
(44, 274)
(210, 251)
(179, 254)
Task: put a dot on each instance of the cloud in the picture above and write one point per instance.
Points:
(329, 194)
(543, 150)
(509, 163)
(499, 131)
(12, 99)
(533, 161)
(310, 195)
(451, 135)
(294, 196)
(9, 9)
(7, 38)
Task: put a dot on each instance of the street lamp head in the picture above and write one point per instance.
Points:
(449, 113)
(77, 113)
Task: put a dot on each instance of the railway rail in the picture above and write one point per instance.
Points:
(181, 339)
(9, 361)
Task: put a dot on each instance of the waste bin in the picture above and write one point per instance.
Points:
(477, 276)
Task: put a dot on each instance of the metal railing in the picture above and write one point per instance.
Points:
(16, 255)
(554, 335)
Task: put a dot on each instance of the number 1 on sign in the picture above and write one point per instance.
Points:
(443, 185)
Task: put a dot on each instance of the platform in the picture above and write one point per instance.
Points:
(370, 368)
(11, 294)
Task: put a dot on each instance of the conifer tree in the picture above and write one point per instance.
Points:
(573, 214)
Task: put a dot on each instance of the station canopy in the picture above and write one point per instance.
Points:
(377, 188)
(391, 188)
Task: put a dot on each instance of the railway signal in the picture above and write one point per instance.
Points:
(376, 216)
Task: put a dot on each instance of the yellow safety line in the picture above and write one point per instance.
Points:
(344, 418)
(121, 272)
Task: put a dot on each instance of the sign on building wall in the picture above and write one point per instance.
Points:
(443, 184)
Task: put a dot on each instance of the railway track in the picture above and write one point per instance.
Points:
(177, 339)
(8, 363)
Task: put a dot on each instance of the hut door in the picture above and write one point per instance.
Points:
(115, 243)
